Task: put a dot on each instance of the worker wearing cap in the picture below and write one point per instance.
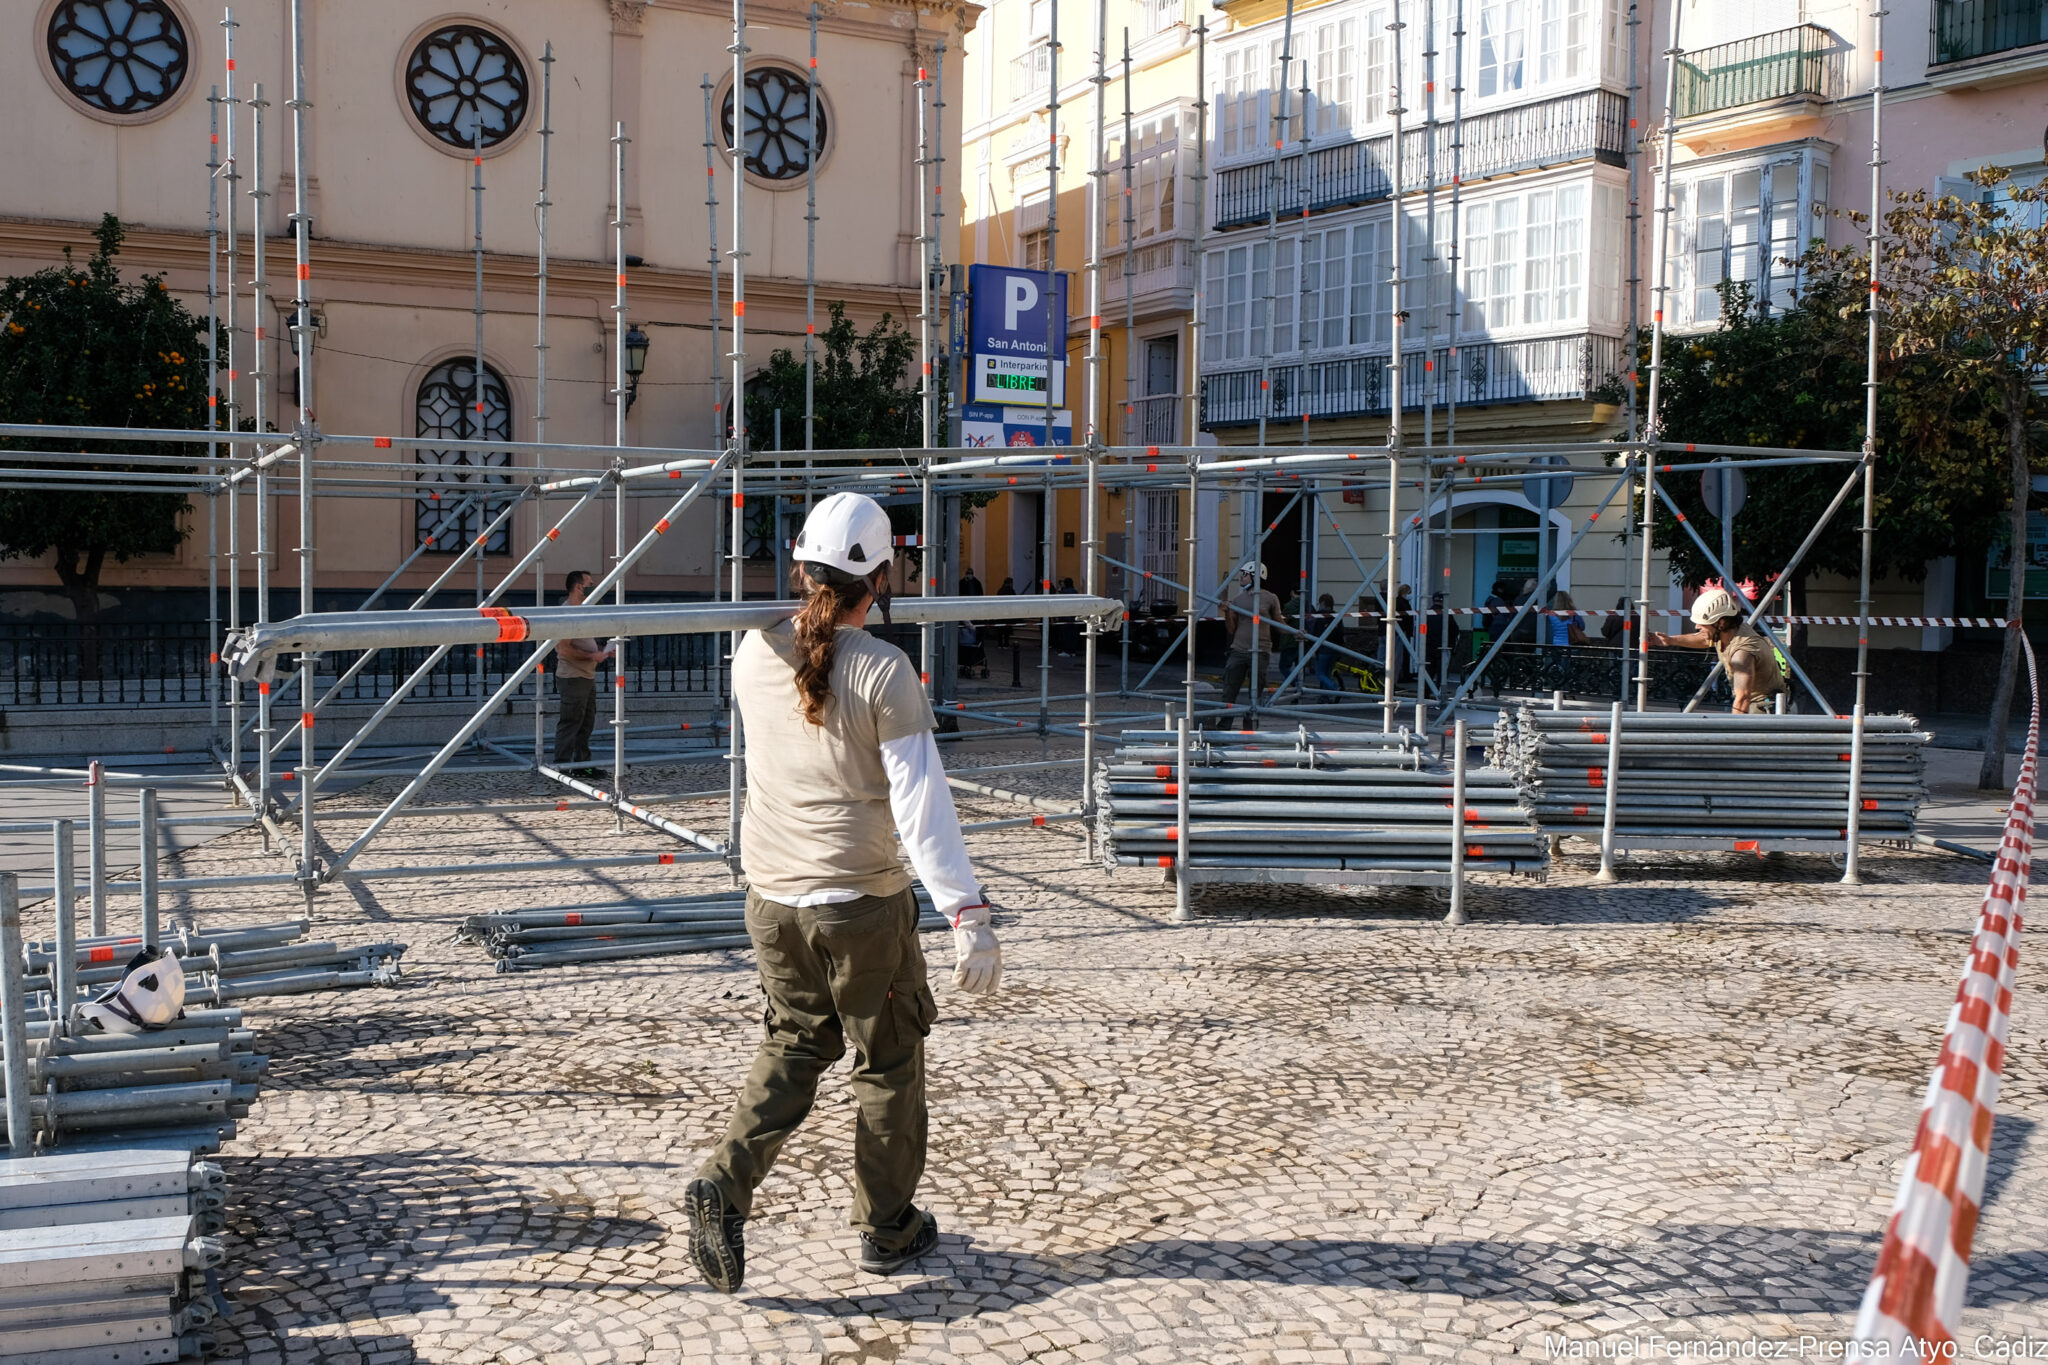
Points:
(1747, 657)
(840, 762)
(1251, 611)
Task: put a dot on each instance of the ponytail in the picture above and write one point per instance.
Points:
(828, 595)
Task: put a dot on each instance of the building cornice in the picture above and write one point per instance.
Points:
(855, 18)
(368, 272)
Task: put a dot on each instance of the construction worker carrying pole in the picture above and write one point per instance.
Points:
(1251, 615)
(839, 748)
(1747, 657)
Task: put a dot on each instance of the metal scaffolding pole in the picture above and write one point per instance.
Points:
(1274, 179)
(738, 390)
(1091, 513)
(541, 205)
(212, 411)
(1189, 539)
(227, 410)
(1635, 221)
(1055, 320)
(718, 423)
(810, 271)
(927, 560)
(619, 141)
(1195, 321)
(1852, 868)
(259, 299)
(476, 370)
(1455, 365)
(307, 429)
(1660, 264)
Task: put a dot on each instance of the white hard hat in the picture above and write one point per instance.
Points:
(1714, 604)
(151, 995)
(849, 532)
(1253, 568)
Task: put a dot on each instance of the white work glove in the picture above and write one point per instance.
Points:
(977, 958)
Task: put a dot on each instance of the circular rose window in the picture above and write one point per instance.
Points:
(466, 86)
(118, 56)
(779, 123)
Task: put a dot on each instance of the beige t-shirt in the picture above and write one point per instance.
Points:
(817, 813)
(566, 667)
(1268, 608)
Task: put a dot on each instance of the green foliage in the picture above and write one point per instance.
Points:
(865, 392)
(1970, 301)
(81, 347)
(1795, 379)
(864, 397)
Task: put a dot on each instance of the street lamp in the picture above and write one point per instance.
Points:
(636, 362)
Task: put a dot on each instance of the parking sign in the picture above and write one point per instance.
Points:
(1016, 320)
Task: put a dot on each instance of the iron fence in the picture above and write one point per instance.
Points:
(1587, 125)
(165, 663)
(1356, 386)
(1962, 29)
(1600, 672)
(1806, 60)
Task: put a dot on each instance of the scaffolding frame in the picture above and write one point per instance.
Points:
(318, 462)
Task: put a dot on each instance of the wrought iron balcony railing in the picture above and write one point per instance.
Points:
(1963, 29)
(1356, 386)
(1589, 125)
(1802, 61)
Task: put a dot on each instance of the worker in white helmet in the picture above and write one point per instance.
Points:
(1252, 612)
(840, 762)
(1748, 659)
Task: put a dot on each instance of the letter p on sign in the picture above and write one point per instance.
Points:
(1022, 297)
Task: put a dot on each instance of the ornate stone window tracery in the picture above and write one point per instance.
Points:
(121, 57)
(463, 78)
(451, 405)
(778, 123)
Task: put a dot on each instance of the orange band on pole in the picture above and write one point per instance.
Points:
(661, 527)
(305, 720)
(305, 272)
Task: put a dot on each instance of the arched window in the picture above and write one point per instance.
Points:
(453, 406)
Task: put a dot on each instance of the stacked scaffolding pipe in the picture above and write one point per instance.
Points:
(1714, 781)
(561, 935)
(223, 965)
(1353, 801)
(105, 1256)
(193, 1078)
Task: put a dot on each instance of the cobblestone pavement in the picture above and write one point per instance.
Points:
(1314, 1126)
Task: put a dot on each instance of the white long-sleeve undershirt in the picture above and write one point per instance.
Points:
(922, 804)
(927, 823)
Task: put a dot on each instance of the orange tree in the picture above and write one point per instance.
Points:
(1794, 378)
(80, 346)
(1968, 296)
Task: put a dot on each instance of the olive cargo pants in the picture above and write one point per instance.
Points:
(834, 973)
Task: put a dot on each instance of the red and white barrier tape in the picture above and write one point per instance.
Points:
(1679, 613)
(1916, 1294)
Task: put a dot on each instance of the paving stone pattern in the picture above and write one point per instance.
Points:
(1315, 1126)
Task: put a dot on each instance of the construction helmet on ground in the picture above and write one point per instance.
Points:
(151, 994)
(1252, 568)
(1715, 604)
(848, 532)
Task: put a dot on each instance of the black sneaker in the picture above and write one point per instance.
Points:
(876, 1261)
(717, 1237)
